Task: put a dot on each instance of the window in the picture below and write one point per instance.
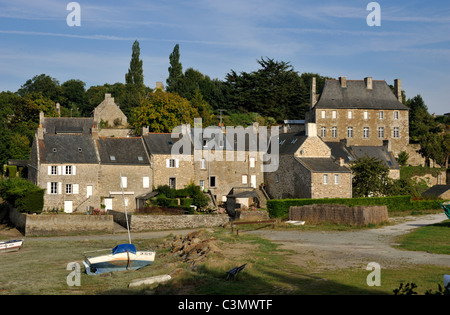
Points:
(244, 179)
(172, 163)
(173, 182)
(380, 132)
(325, 179)
(396, 132)
(140, 158)
(333, 114)
(68, 188)
(323, 132)
(334, 132)
(68, 170)
(323, 114)
(112, 157)
(336, 179)
(381, 114)
(203, 164)
(349, 132)
(123, 182)
(145, 182)
(252, 162)
(53, 188)
(366, 132)
(396, 115)
(202, 184)
(212, 181)
(350, 114)
(277, 178)
(75, 189)
(366, 115)
(54, 170)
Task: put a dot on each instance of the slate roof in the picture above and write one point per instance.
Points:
(67, 148)
(63, 125)
(357, 96)
(436, 190)
(289, 143)
(122, 151)
(339, 150)
(322, 165)
(380, 153)
(159, 143)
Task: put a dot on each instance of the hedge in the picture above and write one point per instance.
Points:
(22, 195)
(279, 208)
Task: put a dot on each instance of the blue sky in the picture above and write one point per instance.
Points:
(331, 38)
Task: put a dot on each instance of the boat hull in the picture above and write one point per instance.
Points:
(10, 246)
(118, 262)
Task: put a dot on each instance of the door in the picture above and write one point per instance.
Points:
(253, 181)
(108, 204)
(68, 206)
(88, 191)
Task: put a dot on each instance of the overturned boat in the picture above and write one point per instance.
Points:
(10, 246)
(122, 257)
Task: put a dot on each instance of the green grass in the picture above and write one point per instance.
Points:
(433, 238)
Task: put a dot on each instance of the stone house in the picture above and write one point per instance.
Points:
(307, 169)
(364, 112)
(109, 113)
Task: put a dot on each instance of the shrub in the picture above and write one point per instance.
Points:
(22, 195)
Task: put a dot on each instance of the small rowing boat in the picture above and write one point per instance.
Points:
(10, 246)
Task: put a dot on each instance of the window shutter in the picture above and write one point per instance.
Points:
(49, 170)
(177, 163)
(74, 170)
(49, 188)
(145, 182)
(167, 163)
(59, 188)
(76, 189)
(59, 169)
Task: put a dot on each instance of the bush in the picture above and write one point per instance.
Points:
(22, 195)
(280, 208)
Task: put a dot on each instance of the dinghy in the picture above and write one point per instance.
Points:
(10, 246)
(121, 257)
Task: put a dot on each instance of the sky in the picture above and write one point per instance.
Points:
(332, 38)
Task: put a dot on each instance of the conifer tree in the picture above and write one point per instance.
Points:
(175, 70)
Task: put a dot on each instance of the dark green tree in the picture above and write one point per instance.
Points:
(370, 177)
(175, 70)
(47, 86)
(134, 82)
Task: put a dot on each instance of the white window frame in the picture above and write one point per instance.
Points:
(334, 114)
(324, 115)
(349, 132)
(336, 179)
(380, 132)
(203, 164)
(381, 114)
(366, 115)
(69, 189)
(123, 182)
(145, 182)
(334, 132)
(252, 162)
(350, 114)
(325, 179)
(366, 132)
(396, 133)
(396, 115)
(53, 188)
(323, 132)
(68, 170)
(244, 179)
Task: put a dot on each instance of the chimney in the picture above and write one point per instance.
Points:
(40, 132)
(369, 83)
(398, 89)
(41, 118)
(94, 132)
(343, 81)
(387, 145)
(144, 131)
(58, 109)
(311, 130)
(341, 161)
(313, 92)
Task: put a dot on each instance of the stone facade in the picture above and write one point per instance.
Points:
(109, 113)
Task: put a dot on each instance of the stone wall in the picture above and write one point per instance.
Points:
(341, 214)
(331, 190)
(60, 224)
(168, 222)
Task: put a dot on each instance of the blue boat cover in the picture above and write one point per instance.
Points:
(122, 248)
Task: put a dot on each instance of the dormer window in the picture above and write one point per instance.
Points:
(140, 158)
(112, 157)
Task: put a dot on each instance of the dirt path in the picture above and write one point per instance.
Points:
(330, 250)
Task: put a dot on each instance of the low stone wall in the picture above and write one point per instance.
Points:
(252, 215)
(60, 224)
(359, 215)
(169, 222)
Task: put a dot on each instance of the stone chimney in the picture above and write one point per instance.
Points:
(313, 92)
(58, 109)
(144, 131)
(387, 145)
(343, 81)
(311, 130)
(40, 132)
(369, 83)
(398, 89)
(341, 162)
(41, 118)
(94, 132)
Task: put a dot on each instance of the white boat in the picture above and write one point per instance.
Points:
(10, 246)
(121, 257)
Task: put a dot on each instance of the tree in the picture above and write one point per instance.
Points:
(134, 81)
(47, 86)
(163, 111)
(370, 177)
(175, 70)
(403, 158)
(74, 93)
